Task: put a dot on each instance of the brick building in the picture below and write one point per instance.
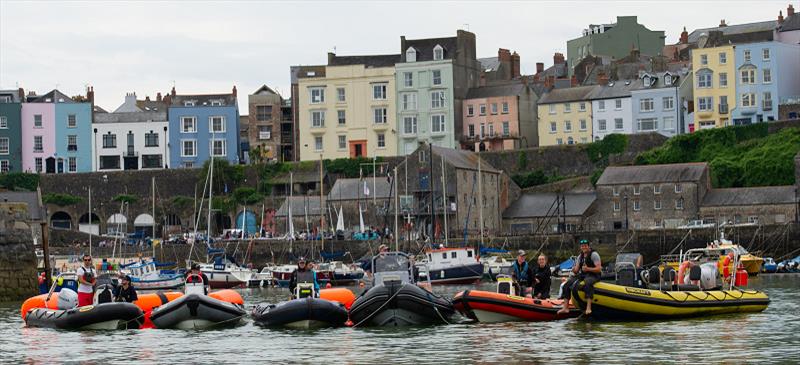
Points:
(543, 213)
(756, 205)
(264, 124)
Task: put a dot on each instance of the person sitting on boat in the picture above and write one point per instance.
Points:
(194, 273)
(125, 292)
(303, 275)
(587, 269)
(522, 274)
(86, 281)
(727, 265)
(541, 278)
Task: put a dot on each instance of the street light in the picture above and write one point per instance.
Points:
(625, 198)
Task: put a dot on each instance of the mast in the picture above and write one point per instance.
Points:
(244, 220)
(444, 204)
(152, 244)
(480, 198)
(430, 185)
(374, 190)
(90, 222)
(261, 224)
(321, 213)
(210, 194)
(396, 211)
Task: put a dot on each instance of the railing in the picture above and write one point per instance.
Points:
(72, 147)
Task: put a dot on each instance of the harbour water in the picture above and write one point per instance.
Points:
(772, 336)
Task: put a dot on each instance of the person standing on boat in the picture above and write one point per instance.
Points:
(522, 274)
(541, 278)
(125, 292)
(86, 281)
(587, 269)
(303, 275)
(194, 273)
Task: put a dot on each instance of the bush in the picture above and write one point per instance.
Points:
(61, 200)
(599, 151)
(125, 198)
(246, 196)
(19, 181)
(182, 201)
(350, 167)
(225, 174)
(522, 161)
(533, 178)
(596, 176)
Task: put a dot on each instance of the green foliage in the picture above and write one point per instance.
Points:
(223, 204)
(182, 201)
(246, 196)
(224, 174)
(61, 199)
(596, 176)
(19, 181)
(600, 150)
(350, 167)
(522, 161)
(738, 156)
(533, 178)
(125, 198)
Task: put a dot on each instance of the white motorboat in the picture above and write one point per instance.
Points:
(495, 265)
(225, 274)
(262, 278)
(456, 265)
(145, 275)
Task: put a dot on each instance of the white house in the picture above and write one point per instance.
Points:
(611, 109)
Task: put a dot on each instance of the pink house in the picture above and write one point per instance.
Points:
(38, 135)
(500, 117)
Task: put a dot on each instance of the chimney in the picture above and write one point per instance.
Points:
(558, 58)
(515, 73)
(158, 96)
(234, 90)
(790, 10)
(172, 92)
(130, 99)
(780, 17)
(539, 67)
(331, 57)
(549, 82)
(168, 99)
(503, 55)
(90, 94)
(722, 23)
(602, 79)
(147, 98)
(536, 78)
(21, 94)
(684, 36)
(573, 81)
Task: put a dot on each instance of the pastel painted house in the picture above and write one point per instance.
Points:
(765, 72)
(56, 134)
(500, 117)
(659, 103)
(10, 131)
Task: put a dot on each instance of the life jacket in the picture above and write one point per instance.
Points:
(583, 261)
(521, 272)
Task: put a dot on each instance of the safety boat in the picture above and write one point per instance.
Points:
(394, 299)
(458, 265)
(146, 276)
(196, 310)
(505, 306)
(306, 311)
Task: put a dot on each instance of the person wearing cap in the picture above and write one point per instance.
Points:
(303, 274)
(125, 292)
(194, 273)
(587, 269)
(522, 274)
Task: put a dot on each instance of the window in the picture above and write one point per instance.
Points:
(723, 58)
(188, 125)
(553, 127)
(552, 108)
(379, 92)
(72, 142)
(570, 140)
(748, 76)
(678, 188)
(601, 105)
(218, 148)
(703, 59)
(656, 189)
(37, 121)
(559, 141)
(646, 105)
(723, 79)
(189, 148)
(381, 140)
(3, 122)
(470, 110)
(72, 164)
(679, 204)
(317, 95)
(318, 143)
(669, 123)
(491, 129)
(617, 206)
(705, 104)
(618, 104)
(437, 123)
(505, 108)
(109, 163)
(379, 115)
(747, 55)
(765, 54)
(483, 109)
(506, 130)
(704, 80)
(618, 123)
(38, 164)
(341, 117)
(494, 108)
(636, 190)
(72, 121)
(216, 103)
(263, 113)
(615, 191)
(4, 166)
(411, 55)
(317, 119)
(190, 164)
(601, 125)
(667, 79)
(5, 146)
(567, 126)
(657, 204)
(188, 103)
(483, 130)
(151, 161)
(767, 100)
(767, 76)
(342, 142)
(636, 206)
(723, 100)
(583, 124)
(438, 53)
(410, 126)
(437, 100)
(408, 79)
(668, 103)
(648, 124)
(584, 140)
(582, 106)
(217, 124)
(567, 107)
(748, 100)
(436, 77)
(410, 101)
(471, 130)
(109, 140)
(340, 95)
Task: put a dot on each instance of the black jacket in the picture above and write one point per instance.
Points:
(125, 295)
(542, 288)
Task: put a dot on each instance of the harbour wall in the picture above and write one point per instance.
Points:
(18, 275)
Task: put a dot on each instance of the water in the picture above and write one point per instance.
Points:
(770, 336)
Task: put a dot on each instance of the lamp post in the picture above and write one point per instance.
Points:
(166, 143)
(625, 198)
(97, 157)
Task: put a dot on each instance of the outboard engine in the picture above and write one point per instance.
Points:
(505, 285)
(304, 290)
(67, 299)
(708, 275)
(104, 294)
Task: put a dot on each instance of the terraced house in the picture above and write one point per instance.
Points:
(714, 86)
(658, 102)
(10, 131)
(764, 72)
(565, 116)
(349, 109)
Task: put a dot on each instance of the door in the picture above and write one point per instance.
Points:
(50, 165)
(358, 148)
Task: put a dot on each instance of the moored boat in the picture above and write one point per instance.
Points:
(457, 265)
(306, 311)
(196, 310)
(504, 305)
(495, 265)
(341, 273)
(146, 275)
(225, 273)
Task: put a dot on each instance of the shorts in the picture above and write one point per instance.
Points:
(85, 299)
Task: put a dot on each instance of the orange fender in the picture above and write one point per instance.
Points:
(681, 272)
(228, 295)
(38, 302)
(341, 295)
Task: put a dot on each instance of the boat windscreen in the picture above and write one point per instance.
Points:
(391, 262)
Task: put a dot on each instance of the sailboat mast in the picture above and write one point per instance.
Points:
(91, 221)
(210, 194)
(444, 203)
(321, 213)
(430, 185)
(153, 234)
(396, 211)
(480, 198)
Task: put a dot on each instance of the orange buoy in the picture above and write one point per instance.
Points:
(228, 295)
(328, 285)
(38, 302)
(341, 295)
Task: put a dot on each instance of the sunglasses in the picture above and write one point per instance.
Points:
(86, 260)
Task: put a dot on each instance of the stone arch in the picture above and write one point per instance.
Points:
(143, 223)
(61, 220)
(87, 226)
(117, 223)
(251, 222)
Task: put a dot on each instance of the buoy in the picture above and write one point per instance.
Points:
(341, 295)
(328, 285)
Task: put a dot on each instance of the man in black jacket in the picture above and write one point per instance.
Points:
(541, 278)
(125, 292)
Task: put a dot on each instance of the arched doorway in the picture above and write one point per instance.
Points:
(143, 225)
(221, 222)
(117, 224)
(85, 226)
(172, 224)
(61, 220)
(247, 220)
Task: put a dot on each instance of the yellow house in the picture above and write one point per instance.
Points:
(565, 116)
(714, 86)
(349, 112)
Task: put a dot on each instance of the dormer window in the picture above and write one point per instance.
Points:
(411, 55)
(216, 103)
(438, 53)
(189, 103)
(647, 80)
(667, 79)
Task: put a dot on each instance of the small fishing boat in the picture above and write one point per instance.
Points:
(306, 311)
(146, 275)
(196, 310)
(458, 265)
(495, 265)
(770, 266)
(262, 278)
(394, 299)
(504, 305)
(224, 273)
(341, 273)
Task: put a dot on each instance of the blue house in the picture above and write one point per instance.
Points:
(73, 132)
(765, 72)
(658, 102)
(202, 125)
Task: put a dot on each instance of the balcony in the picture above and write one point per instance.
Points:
(723, 108)
(129, 152)
(489, 137)
(72, 147)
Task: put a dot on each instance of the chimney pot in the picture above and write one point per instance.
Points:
(147, 98)
(722, 23)
(539, 67)
(515, 66)
(558, 58)
(234, 90)
(21, 94)
(790, 10)
(780, 16)
(158, 96)
(684, 36)
(172, 92)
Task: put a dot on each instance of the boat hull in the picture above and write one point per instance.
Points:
(616, 302)
(485, 306)
(464, 274)
(301, 313)
(169, 283)
(399, 304)
(224, 280)
(195, 311)
(106, 316)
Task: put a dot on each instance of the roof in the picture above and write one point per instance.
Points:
(462, 159)
(679, 172)
(540, 204)
(768, 25)
(151, 105)
(301, 72)
(489, 64)
(352, 189)
(131, 117)
(764, 195)
(659, 80)
(264, 89)
(14, 94)
(29, 197)
(567, 94)
(614, 89)
(301, 205)
(367, 61)
(424, 47)
(51, 97)
(558, 71)
(205, 99)
(297, 177)
(504, 89)
(790, 23)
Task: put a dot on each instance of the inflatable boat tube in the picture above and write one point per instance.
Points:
(301, 313)
(39, 301)
(486, 306)
(106, 316)
(341, 295)
(400, 304)
(195, 311)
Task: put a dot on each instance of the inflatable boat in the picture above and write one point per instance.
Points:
(196, 310)
(505, 306)
(306, 310)
(394, 299)
(61, 311)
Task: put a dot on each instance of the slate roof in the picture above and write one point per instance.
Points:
(14, 94)
(790, 23)
(300, 205)
(264, 89)
(614, 89)
(680, 172)
(367, 61)
(299, 177)
(30, 198)
(677, 79)
(537, 205)
(151, 105)
(763, 195)
(131, 117)
(489, 64)
(424, 48)
(53, 96)
(352, 189)
(504, 89)
(301, 72)
(567, 94)
(462, 159)
(768, 25)
(205, 99)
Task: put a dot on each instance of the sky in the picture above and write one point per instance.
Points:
(209, 46)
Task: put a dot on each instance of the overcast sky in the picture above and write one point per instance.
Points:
(209, 46)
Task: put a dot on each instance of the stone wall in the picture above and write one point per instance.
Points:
(18, 275)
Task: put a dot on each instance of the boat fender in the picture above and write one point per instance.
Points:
(682, 272)
(668, 275)
(695, 273)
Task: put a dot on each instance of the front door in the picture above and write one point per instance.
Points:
(358, 148)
